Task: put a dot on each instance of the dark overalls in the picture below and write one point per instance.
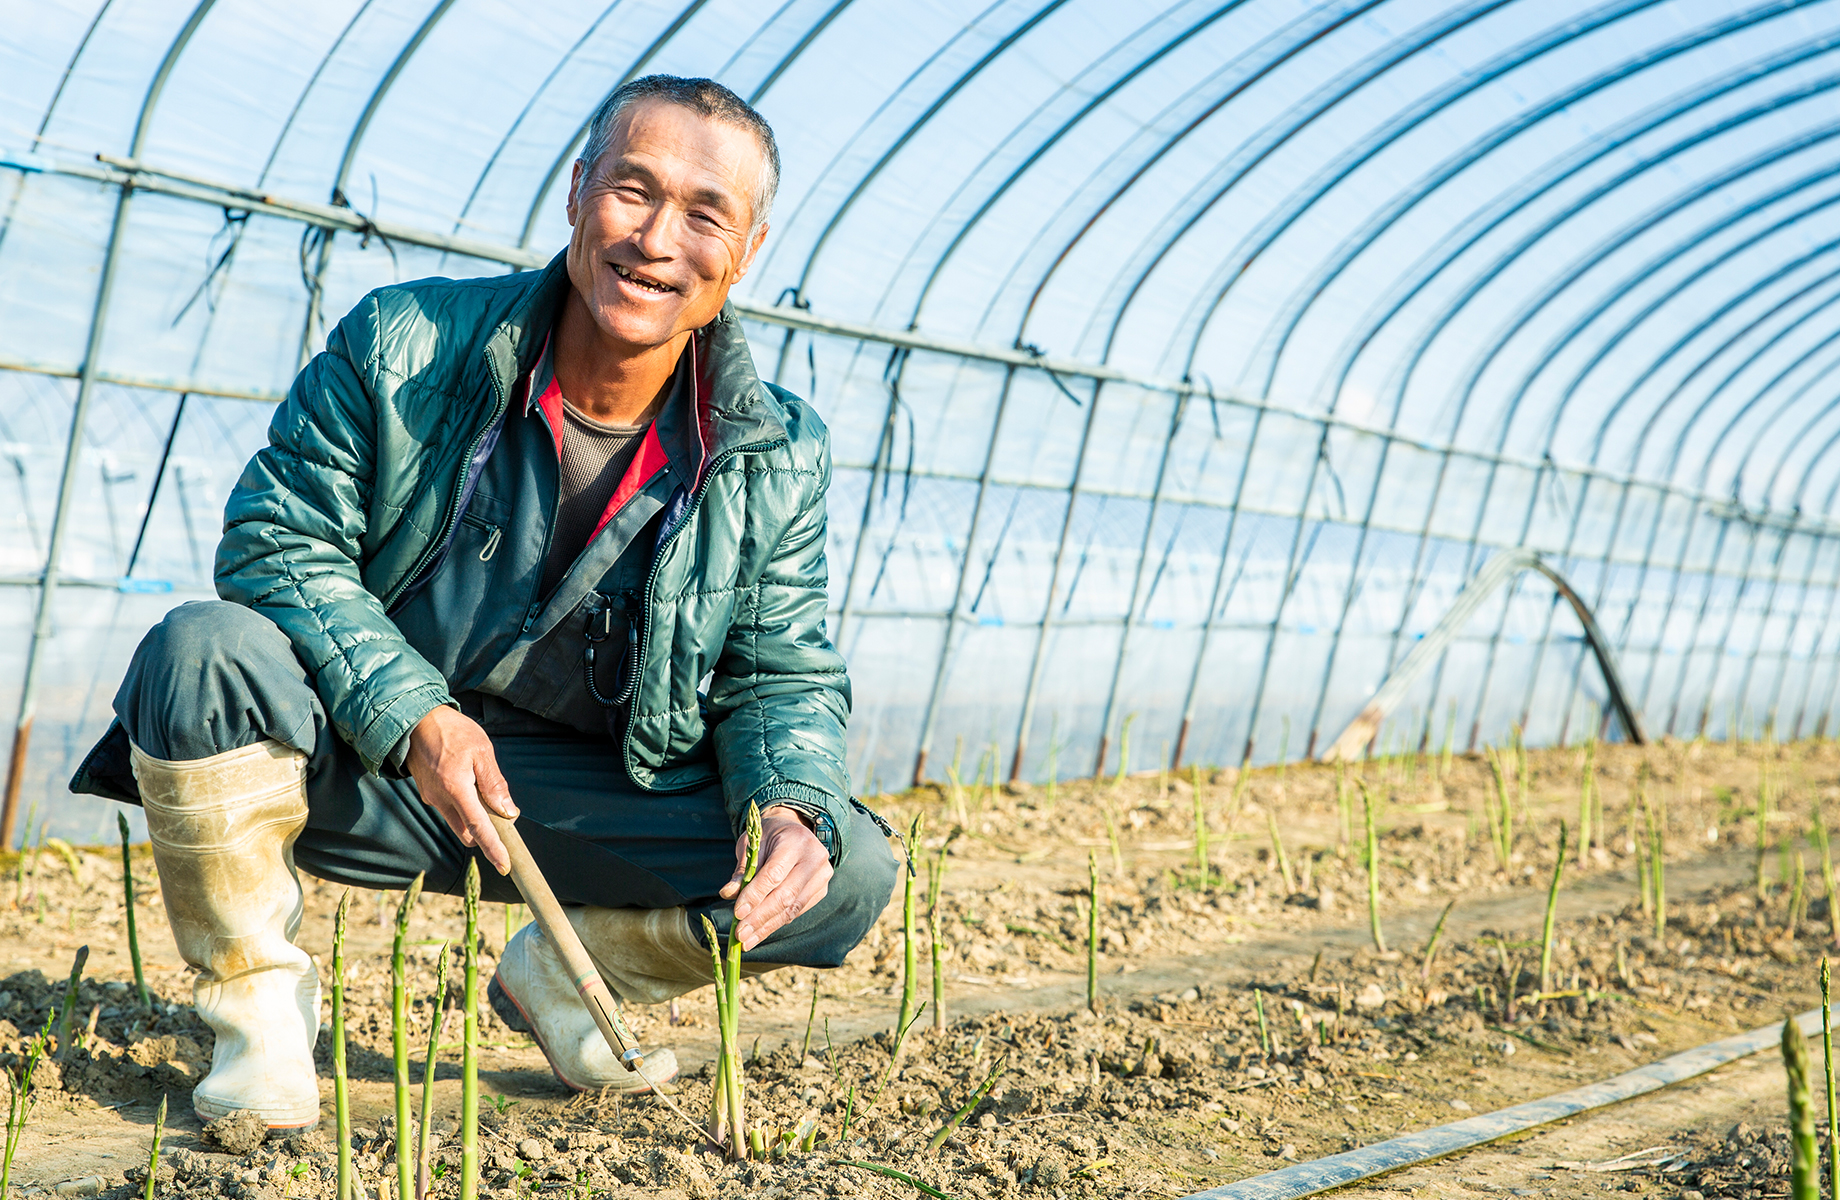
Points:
(545, 675)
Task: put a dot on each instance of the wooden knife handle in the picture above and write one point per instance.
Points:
(554, 923)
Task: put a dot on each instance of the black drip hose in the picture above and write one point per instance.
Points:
(1338, 1170)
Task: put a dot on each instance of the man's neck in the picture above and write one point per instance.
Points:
(612, 384)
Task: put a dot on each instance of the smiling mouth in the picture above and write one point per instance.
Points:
(640, 281)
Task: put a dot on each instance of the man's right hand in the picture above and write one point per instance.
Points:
(451, 758)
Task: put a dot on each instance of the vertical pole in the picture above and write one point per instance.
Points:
(1605, 566)
(954, 615)
(159, 477)
(1833, 689)
(1737, 599)
(317, 289)
(1674, 588)
(1216, 599)
(1565, 568)
(60, 525)
(1348, 596)
(86, 388)
(1820, 635)
(1817, 543)
(1137, 584)
(1769, 610)
(1292, 568)
(1054, 589)
(1416, 581)
(1501, 626)
(1699, 619)
(884, 454)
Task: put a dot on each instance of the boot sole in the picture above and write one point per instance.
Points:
(519, 1021)
(212, 1113)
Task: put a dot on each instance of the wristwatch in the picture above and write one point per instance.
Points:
(817, 820)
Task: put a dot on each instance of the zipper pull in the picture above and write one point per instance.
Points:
(491, 547)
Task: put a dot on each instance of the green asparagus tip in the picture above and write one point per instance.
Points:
(753, 843)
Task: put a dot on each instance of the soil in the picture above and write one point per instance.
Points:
(1246, 1017)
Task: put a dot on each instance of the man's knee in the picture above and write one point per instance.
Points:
(860, 889)
(213, 677)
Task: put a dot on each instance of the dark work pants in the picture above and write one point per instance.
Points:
(214, 677)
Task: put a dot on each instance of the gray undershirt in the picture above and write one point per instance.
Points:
(595, 456)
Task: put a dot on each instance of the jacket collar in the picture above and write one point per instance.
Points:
(733, 407)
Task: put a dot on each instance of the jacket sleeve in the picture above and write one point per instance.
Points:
(781, 692)
(291, 550)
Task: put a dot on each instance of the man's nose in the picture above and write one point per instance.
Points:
(656, 236)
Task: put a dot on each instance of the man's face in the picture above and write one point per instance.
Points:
(662, 223)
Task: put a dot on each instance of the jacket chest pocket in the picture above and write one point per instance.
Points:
(486, 534)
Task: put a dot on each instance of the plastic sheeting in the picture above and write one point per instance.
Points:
(1344, 298)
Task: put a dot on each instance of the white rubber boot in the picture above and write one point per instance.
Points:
(644, 955)
(223, 832)
(532, 993)
(647, 955)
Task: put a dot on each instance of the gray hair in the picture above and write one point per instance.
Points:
(703, 96)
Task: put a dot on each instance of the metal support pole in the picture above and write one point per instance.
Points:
(1293, 568)
(86, 390)
(1054, 589)
(1565, 565)
(1216, 597)
(1176, 414)
(1814, 649)
(1833, 691)
(159, 477)
(878, 471)
(1763, 626)
(1348, 597)
(1833, 697)
(1415, 583)
(955, 615)
(1731, 621)
(316, 289)
(1674, 588)
(1605, 565)
(1778, 693)
(1501, 625)
(1699, 618)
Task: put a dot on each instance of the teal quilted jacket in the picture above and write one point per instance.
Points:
(360, 485)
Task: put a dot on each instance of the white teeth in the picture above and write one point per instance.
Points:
(647, 284)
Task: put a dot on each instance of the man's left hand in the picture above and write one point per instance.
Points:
(794, 874)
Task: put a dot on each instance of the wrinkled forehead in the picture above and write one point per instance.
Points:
(682, 146)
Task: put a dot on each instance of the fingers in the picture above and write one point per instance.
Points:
(774, 899)
(494, 792)
(784, 905)
(475, 826)
(781, 860)
(457, 773)
(456, 797)
(733, 886)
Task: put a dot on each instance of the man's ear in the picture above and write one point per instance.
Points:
(574, 188)
(747, 260)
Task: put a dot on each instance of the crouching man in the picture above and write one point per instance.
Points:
(542, 545)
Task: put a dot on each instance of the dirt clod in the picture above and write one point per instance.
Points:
(239, 1132)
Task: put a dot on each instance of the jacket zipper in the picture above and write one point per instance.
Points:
(494, 534)
(651, 577)
(453, 505)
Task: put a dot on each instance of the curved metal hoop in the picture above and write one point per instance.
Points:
(1498, 571)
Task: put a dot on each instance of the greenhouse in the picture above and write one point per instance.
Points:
(1184, 363)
